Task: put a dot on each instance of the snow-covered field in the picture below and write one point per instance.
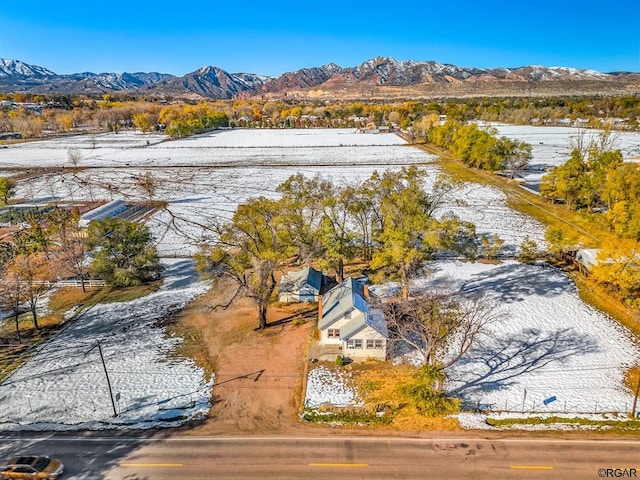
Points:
(221, 148)
(551, 146)
(551, 345)
(64, 386)
(208, 191)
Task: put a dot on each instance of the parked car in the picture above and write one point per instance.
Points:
(32, 468)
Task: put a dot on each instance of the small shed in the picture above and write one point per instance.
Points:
(586, 259)
(300, 286)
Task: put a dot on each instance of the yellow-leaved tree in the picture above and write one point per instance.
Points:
(618, 269)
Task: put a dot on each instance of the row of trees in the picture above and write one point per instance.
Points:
(480, 147)
(389, 221)
(113, 111)
(596, 178)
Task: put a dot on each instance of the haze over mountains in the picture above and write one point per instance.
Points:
(379, 78)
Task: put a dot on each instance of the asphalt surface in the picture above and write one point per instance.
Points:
(166, 456)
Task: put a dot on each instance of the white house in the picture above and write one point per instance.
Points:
(345, 319)
(300, 286)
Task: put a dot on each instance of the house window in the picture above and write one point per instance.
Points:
(356, 343)
(333, 333)
(374, 343)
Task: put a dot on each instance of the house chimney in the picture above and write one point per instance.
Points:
(319, 307)
(366, 291)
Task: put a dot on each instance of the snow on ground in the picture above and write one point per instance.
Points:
(550, 344)
(63, 386)
(325, 386)
(551, 146)
(199, 195)
(220, 147)
(291, 137)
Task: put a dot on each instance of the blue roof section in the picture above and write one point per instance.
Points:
(375, 319)
(341, 300)
(294, 281)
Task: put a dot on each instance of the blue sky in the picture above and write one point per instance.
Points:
(272, 37)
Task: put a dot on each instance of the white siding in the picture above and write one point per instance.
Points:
(365, 334)
(325, 340)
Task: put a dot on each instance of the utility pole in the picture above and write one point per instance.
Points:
(635, 398)
(106, 373)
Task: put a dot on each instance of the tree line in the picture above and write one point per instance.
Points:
(112, 112)
(479, 147)
(595, 180)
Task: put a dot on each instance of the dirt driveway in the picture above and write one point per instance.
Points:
(259, 374)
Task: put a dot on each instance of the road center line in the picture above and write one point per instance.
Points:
(531, 467)
(159, 465)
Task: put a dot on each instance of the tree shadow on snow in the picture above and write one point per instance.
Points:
(179, 275)
(497, 366)
(515, 282)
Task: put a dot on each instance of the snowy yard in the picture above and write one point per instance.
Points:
(63, 386)
(551, 344)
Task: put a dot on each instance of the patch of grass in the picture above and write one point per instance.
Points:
(388, 402)
(632, 377)
(595, 295)
(125, 294)
(632, 424)
(66, 298)
(192, 346)
(345, 416)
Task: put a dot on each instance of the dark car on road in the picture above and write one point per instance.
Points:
(31, 468)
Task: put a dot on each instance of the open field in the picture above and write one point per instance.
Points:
(553, 345)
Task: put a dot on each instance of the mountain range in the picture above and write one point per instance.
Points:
(378, 78)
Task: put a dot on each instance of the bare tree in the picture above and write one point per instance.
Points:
(148, 183)
(12, 297)
(74, 156)
(441, 327)
(30, 273)
(71, 245)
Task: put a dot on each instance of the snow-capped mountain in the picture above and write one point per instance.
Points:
(16, 68)
(331, 80)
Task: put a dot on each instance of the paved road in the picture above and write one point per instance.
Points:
(170, 457)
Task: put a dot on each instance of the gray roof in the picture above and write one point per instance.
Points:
(374, 318)
(294, 281)
(340, 300)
